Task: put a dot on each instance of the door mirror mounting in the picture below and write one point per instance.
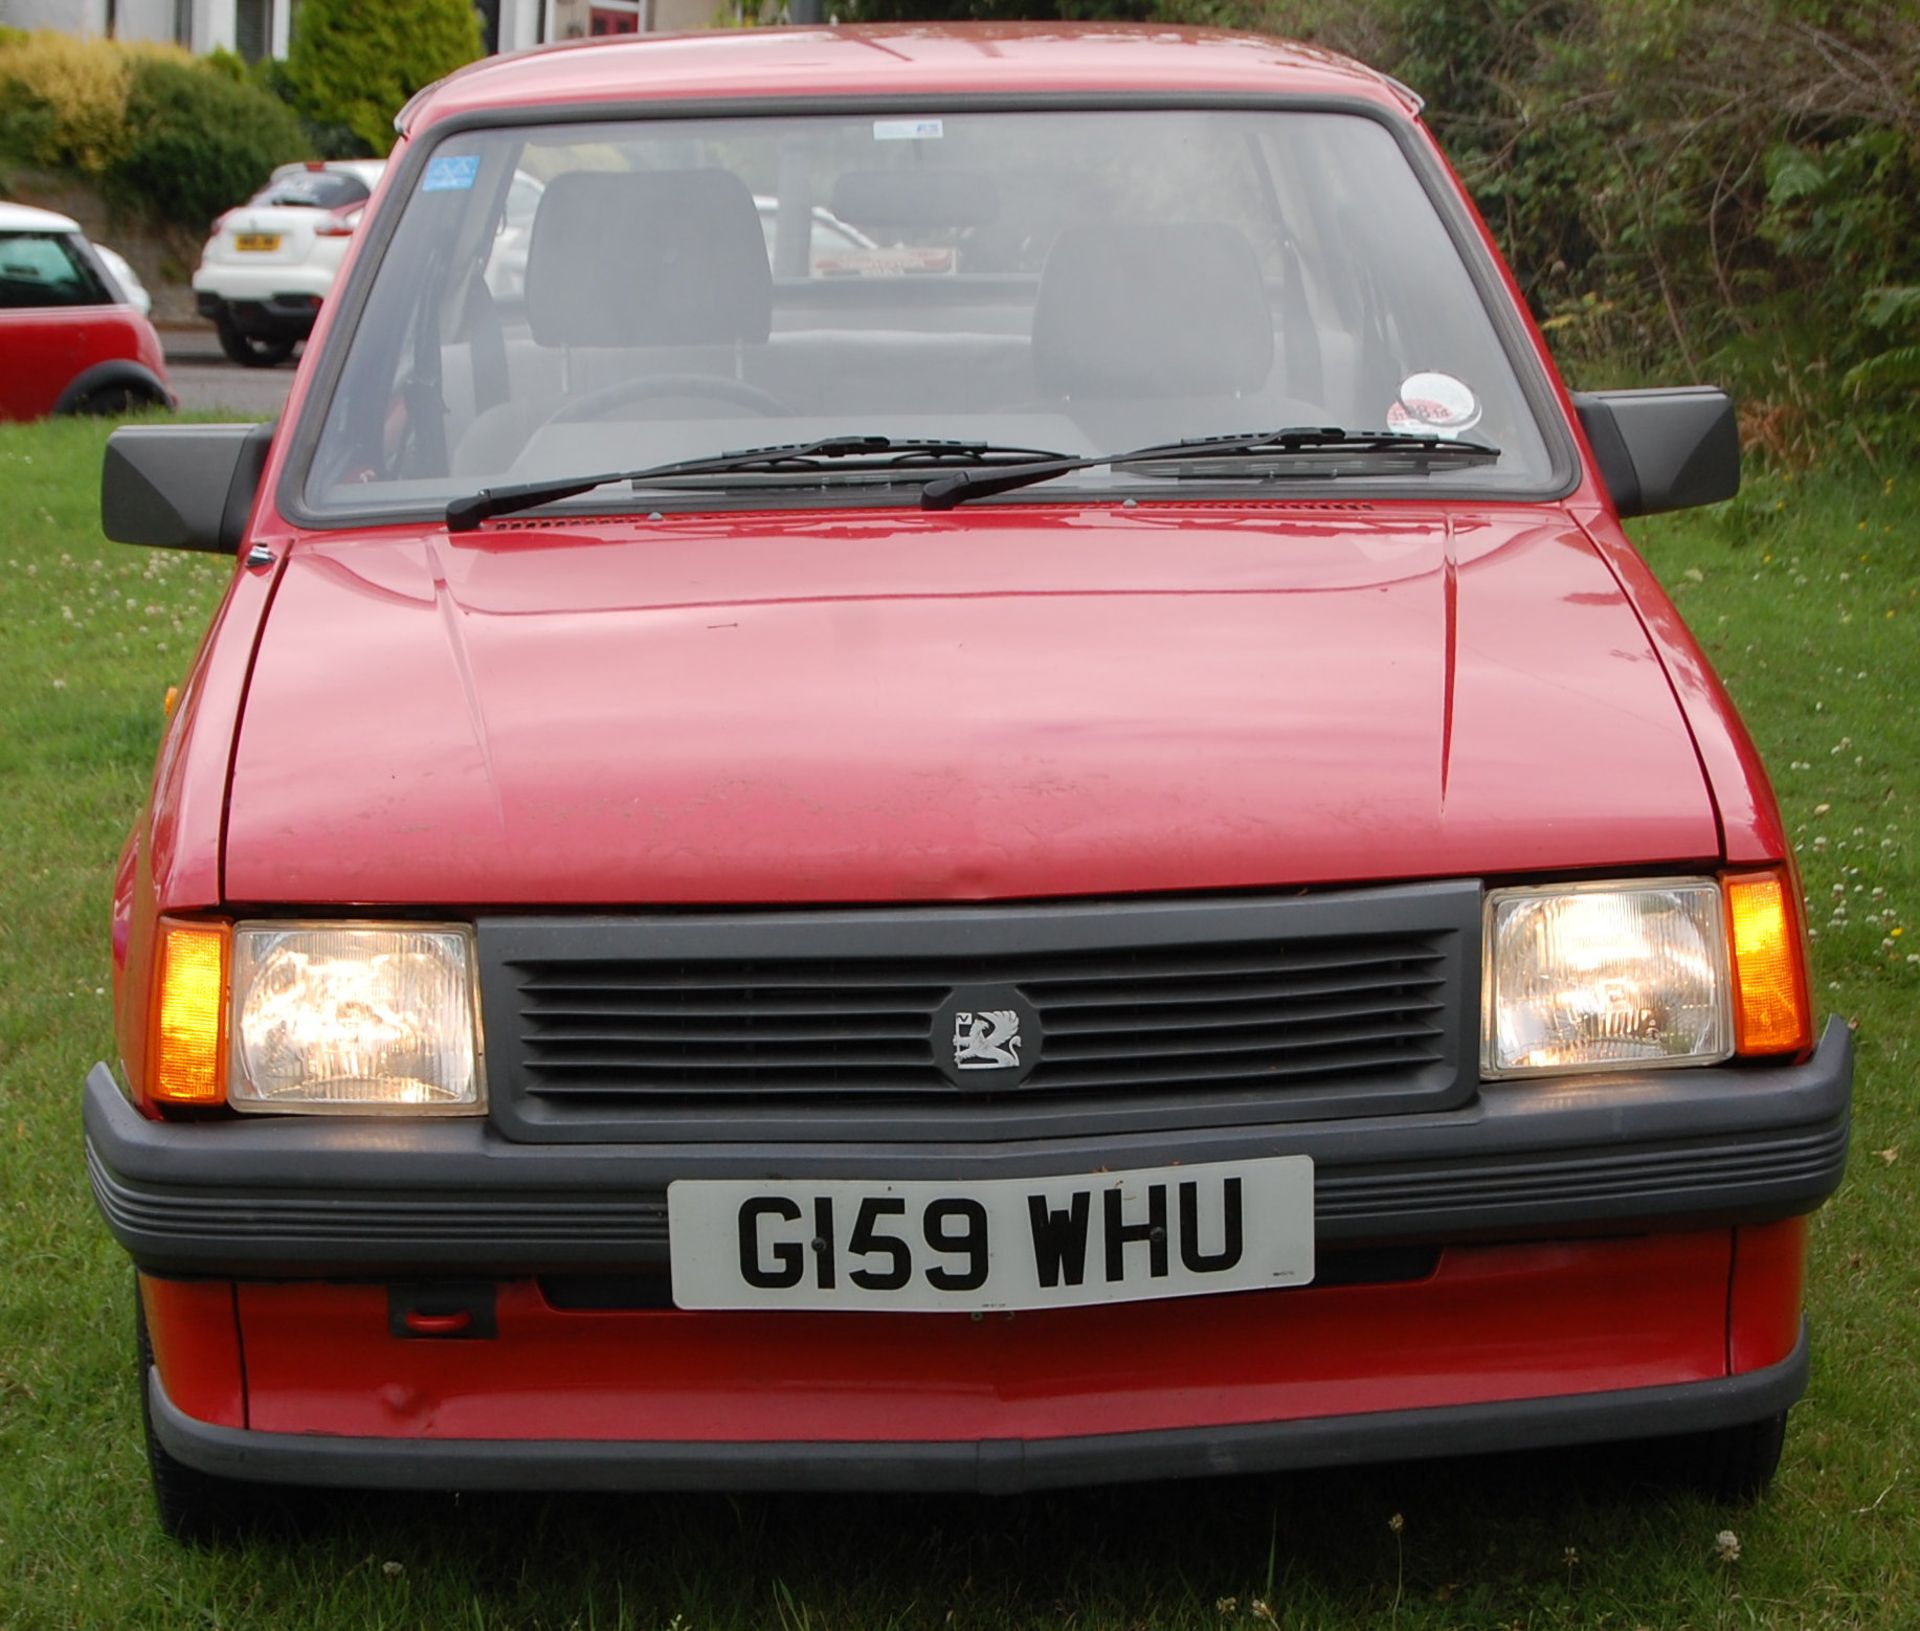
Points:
(1663, 449)
(182, 486)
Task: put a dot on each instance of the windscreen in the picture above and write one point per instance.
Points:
(313, 189)
(580, 298)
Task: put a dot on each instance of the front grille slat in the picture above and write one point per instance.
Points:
(1274, 1039)
(1169, 1020)
(1331, 1002)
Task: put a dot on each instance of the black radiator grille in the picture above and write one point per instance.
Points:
(1149, 1015)
(1245, 1015)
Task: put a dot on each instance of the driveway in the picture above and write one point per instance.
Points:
(207, 383)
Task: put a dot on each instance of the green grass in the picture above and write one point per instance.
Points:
(1812, 612)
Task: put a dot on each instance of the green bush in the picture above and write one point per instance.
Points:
(198, 142)
(63, 101)
(354, 66)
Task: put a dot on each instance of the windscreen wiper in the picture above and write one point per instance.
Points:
(840, 455)
(1370, 452)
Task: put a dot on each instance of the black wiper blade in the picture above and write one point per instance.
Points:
(840, 453)
(1427, 451)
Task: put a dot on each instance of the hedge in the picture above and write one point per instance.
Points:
(163, 134)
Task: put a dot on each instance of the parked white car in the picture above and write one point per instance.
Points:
(271, 262)
(127, 278)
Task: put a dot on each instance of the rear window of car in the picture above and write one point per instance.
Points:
(44, 269)
(314, 189)
(1073, 280)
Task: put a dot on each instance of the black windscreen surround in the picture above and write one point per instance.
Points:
(669, 288)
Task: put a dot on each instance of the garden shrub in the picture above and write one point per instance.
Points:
(353, 65)
(198, 141)
(63, 101)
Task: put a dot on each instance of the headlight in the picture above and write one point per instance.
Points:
(356, 1017)
(1605, 977)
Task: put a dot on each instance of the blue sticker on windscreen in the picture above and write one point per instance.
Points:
(450, 175)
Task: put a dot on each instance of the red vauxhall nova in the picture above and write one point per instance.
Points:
(1065, 846)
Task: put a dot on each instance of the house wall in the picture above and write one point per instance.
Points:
(212, 24)
(68, 16)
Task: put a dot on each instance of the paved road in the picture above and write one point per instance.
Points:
(206, 382)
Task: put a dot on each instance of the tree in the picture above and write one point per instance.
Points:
(354, 63)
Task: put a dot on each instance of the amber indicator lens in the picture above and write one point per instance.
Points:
(189, 1052)
(1770, 1005)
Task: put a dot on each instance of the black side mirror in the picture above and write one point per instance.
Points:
(182, 486)
(1664, 449)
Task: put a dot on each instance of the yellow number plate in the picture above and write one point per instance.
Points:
(255, 242)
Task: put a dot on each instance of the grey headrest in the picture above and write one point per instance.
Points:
(1152, 309)
(668, 257)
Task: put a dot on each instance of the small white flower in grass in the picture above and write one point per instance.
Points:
(59, 685)
(393, 1570)
(1726, 1546)
(1821, 809)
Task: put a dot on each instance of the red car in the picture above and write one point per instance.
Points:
(69, 340)
(1086, 855)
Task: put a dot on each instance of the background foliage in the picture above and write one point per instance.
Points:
(352, 66)
(1723, 190)
(159, 132)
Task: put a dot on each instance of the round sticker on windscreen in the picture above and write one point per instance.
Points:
(1434, 405)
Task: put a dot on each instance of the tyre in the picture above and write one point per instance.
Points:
(112, 400)
(197, 1508)
(249, 352)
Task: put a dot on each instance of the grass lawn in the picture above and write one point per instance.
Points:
(1808, 598)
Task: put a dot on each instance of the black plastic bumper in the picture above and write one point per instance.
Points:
(279, 317)
(317, 1195)
(990, 1467)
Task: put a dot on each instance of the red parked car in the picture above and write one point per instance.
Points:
(69, 340)
(1085, 855)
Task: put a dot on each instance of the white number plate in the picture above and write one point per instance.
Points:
(994, 1244)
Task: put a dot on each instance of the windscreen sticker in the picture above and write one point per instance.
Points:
(450, 175)
(908, 130)
(1434, 404)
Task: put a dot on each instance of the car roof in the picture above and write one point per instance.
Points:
(918, 61)
(25, 218)
(368, 170)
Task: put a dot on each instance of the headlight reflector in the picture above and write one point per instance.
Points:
(1605, 977)
(354, 1017)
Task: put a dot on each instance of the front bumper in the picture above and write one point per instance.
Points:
(317, 1196)
(271, 314)
(1000, 1466)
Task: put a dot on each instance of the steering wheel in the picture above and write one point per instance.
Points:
(736, 392)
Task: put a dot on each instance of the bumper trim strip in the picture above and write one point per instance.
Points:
(987, 1467)
(307, 1195)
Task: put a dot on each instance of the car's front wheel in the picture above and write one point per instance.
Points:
(195, 1507)
(110, 401)
(249, 352)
